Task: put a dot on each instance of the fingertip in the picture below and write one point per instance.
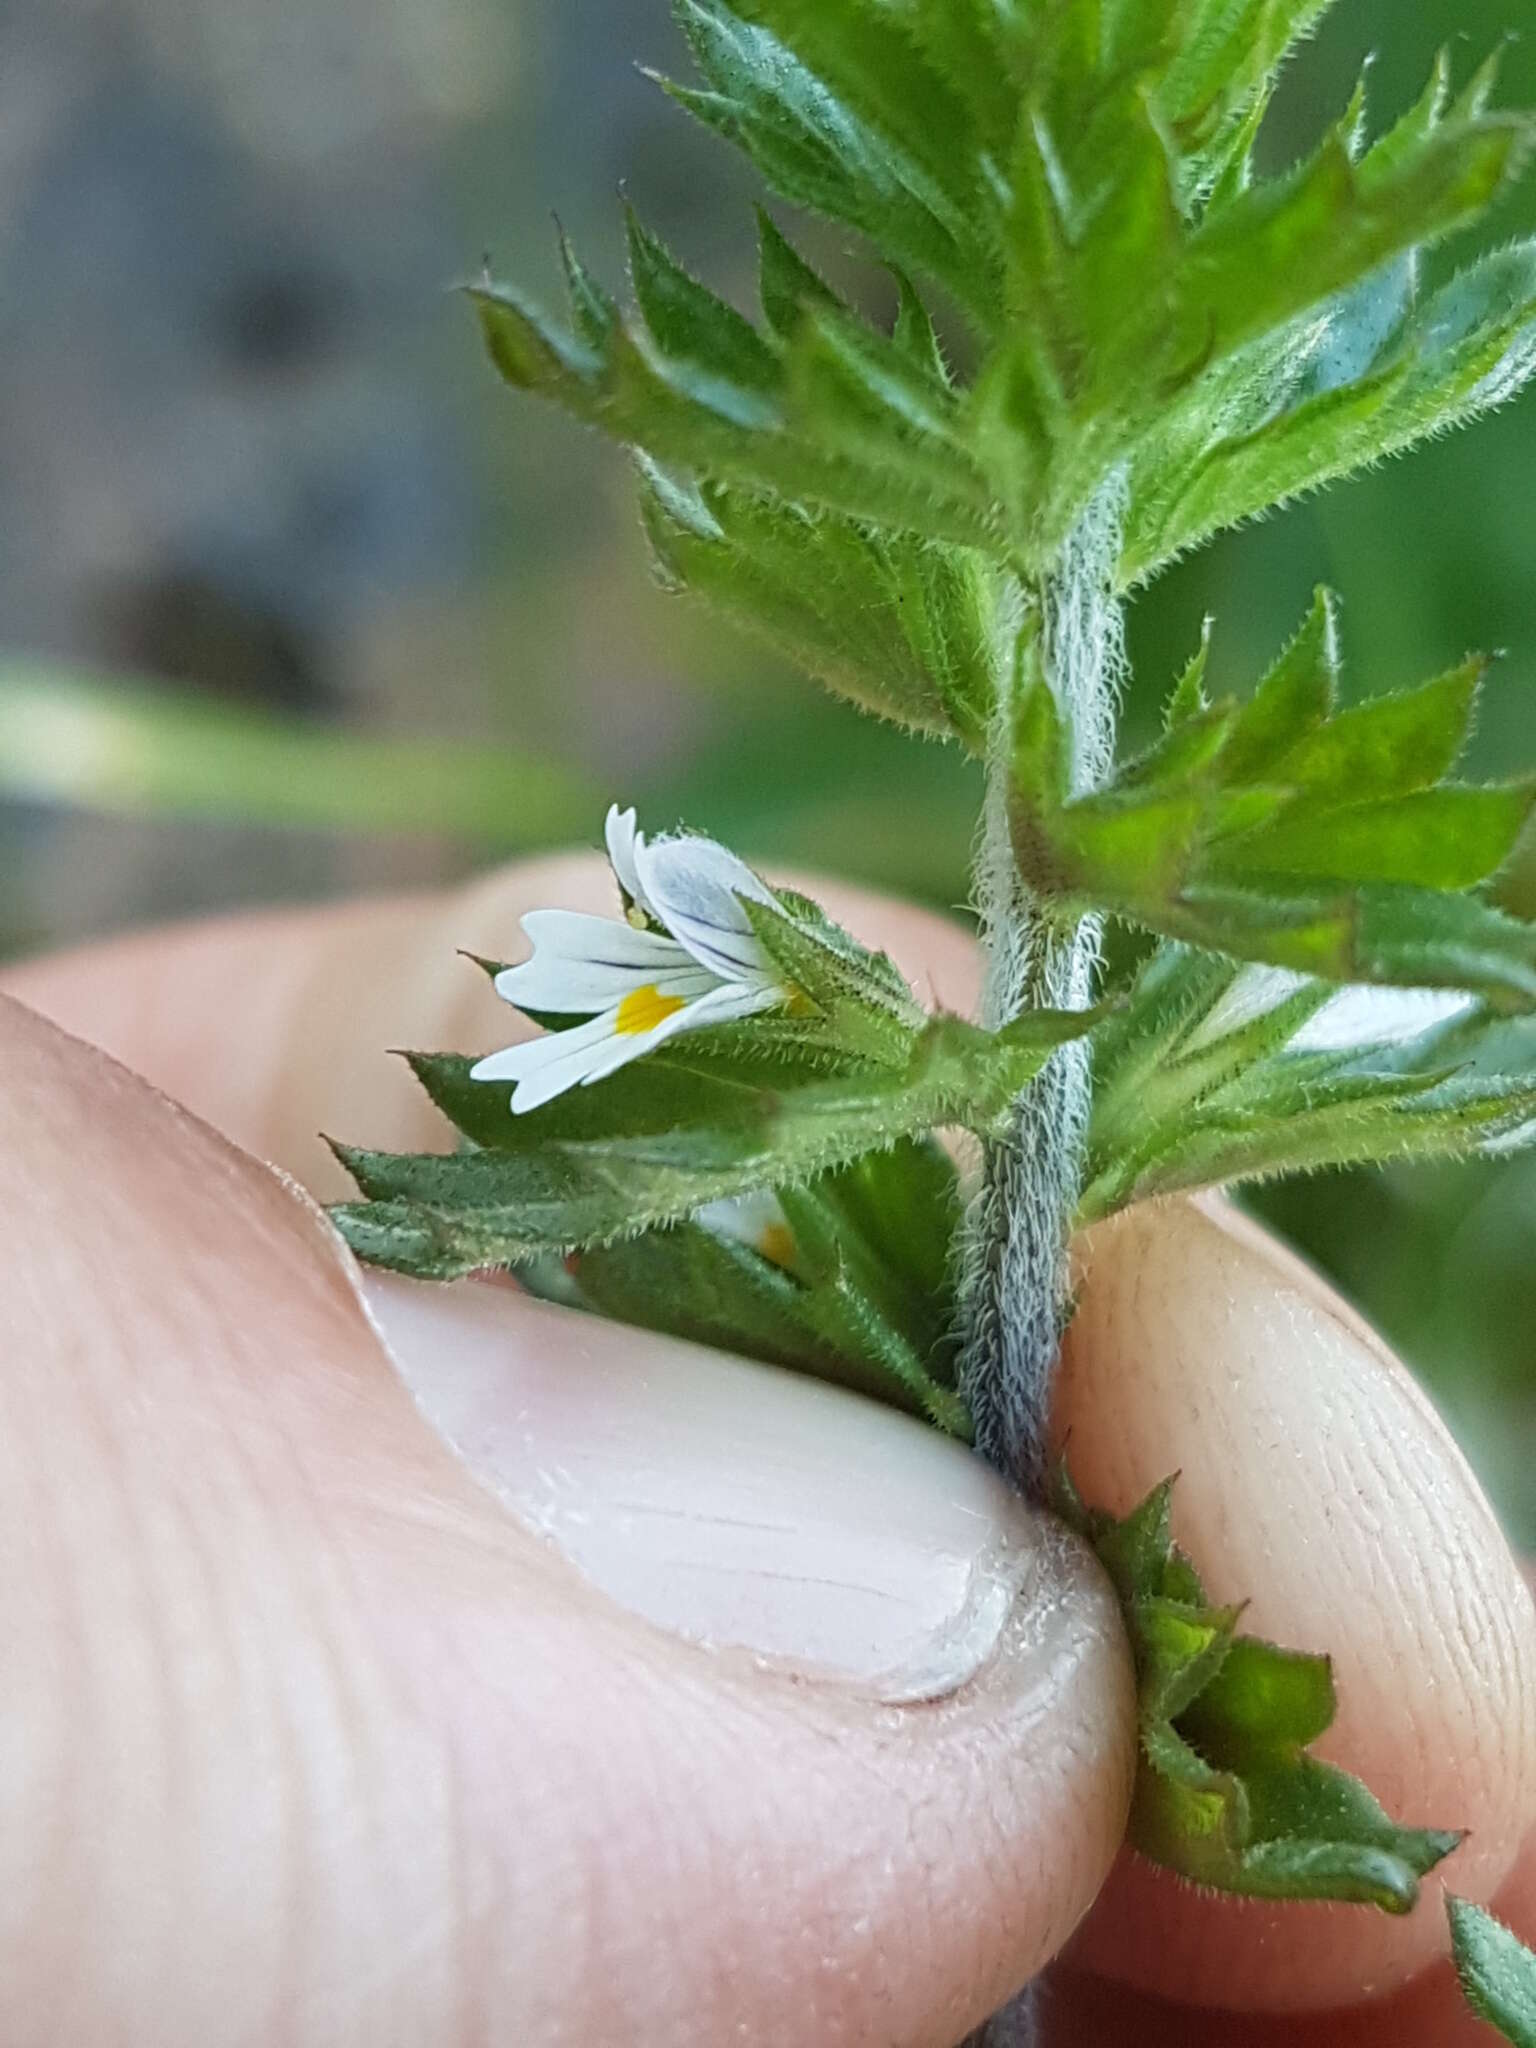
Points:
(931, 1678)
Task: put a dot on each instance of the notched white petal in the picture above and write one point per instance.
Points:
(623, 841)
(550, 1048)
(582, 963)
(636, 988)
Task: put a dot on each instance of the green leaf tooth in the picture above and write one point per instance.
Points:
(1296, 695)
(530, 350)
(1497, 1971)
(1353, 122)
(1230, 165)
(835, 360)
(1189, 699)
(1041, 738)
(1388, 745)
(865, 55)
(1135, 1548)
(1413, 129)
(689, 322)
(976, 46)
(1180, 1649)
(913, 334)
(1263, 1698)
(787, 284)
(1185, 750)
(1477, 94)
(488, 967)
(1229, 50)
(593, 312)
(868, 1007)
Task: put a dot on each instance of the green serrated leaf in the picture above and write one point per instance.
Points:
(807, 1282)
(914, 335)
(898, 625)
(697, 417)
(1388, 746)
(1287, 833)
(1447, 838)
(1227, 1793)
(868, 1008)
(698, 1122)
(1470, 348)
(1199, 1082)
(1497, 1972)
(820, 151)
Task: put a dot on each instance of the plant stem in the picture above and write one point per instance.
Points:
(1014, 1278)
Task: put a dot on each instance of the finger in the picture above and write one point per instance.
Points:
(1319, 1484)
(308, 1739)
(1192, 1329)
(1083, 2012)
(279, 1026)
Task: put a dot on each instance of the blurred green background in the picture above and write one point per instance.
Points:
(250, 451)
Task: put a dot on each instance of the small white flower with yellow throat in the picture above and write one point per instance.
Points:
(686, 956)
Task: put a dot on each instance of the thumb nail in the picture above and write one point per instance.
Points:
(734, 1504)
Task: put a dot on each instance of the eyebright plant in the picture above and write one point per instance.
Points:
(728, 1129)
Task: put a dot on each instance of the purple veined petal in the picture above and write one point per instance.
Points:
(695, 886)
(623, 842)
(1360, 1016)
(582, 964)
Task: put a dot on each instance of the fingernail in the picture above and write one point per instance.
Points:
(731, 1503)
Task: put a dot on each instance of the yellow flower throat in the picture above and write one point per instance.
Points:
(644, 1008)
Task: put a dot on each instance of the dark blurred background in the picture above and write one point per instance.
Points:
(249, 450)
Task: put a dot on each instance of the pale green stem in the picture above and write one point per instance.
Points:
(1014, 1282)
(1014, 1278)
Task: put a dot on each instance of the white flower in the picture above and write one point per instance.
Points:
(686, 957)
(1366, 1017)
(1357, 1017)
(757, 1221)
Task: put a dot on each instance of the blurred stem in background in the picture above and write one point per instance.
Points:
(136, 750)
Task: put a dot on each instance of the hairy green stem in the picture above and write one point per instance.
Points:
(1014, 1280)
(1014, 1275)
